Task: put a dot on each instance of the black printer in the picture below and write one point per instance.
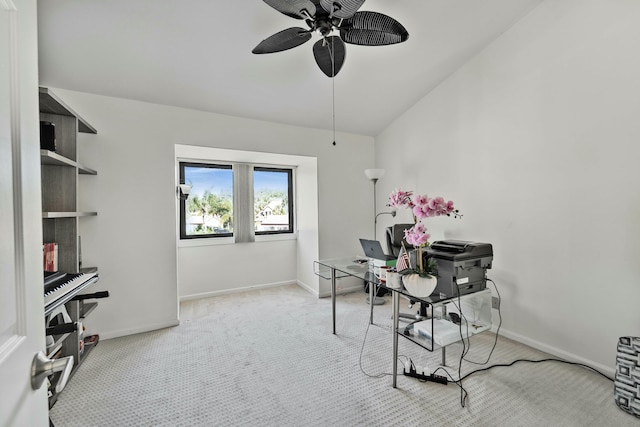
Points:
(462, 266)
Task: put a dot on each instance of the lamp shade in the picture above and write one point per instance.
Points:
(374, 173)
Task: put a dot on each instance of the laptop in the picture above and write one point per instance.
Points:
(373, 249)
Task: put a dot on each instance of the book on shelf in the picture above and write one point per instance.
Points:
(50, 256)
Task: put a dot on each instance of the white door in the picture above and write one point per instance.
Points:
(21, 296)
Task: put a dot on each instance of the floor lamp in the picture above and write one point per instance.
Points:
(374, 175)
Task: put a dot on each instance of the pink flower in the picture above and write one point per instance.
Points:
(420, 200)
(417, 235)
(418, 212)
(400, 199)
(438, 202)
(449, 206)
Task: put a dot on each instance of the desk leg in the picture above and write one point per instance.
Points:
(371, 298)
(396, 310)
(333, 298)
(444, 349)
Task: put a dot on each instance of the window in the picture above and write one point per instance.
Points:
(209, 209)
(273, 200)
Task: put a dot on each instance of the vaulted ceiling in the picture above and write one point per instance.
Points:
(197, 54)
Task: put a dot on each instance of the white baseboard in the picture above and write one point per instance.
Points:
(236, 290)
(342, 290)
(607, 370)
(307, 288)
(328, 293)
(270, 285)
(139, 330)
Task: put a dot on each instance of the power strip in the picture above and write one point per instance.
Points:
(433, 378)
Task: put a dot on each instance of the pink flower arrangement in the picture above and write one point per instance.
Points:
(422, 206)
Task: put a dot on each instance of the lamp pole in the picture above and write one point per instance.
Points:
(374, 175)
(375, 218)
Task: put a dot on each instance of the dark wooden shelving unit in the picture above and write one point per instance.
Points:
(60, 222)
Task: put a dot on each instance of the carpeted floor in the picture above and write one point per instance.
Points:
(268, 358)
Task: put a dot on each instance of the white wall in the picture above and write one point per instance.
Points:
(536, 140)
(132, 240)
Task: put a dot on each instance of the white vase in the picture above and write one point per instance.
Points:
(418, 286)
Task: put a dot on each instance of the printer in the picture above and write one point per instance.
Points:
(462, 266)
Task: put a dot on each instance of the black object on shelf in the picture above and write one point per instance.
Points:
(47, 136)
(63, 328)
(100, 294)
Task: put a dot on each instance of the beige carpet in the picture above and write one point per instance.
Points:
(268, 358)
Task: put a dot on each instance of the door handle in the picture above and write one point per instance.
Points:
(42, 367)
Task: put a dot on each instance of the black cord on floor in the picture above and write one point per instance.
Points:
(364, 340)
(538, 361)
(463, 392)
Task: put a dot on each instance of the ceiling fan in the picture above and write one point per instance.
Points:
(324, 16)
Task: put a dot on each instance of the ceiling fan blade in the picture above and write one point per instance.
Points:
(372, 29)
(329, 53)
(285, 39)
(342, 9)
(293, 8)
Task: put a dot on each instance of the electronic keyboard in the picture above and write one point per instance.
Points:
(62, 287)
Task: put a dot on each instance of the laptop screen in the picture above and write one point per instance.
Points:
(373, 249)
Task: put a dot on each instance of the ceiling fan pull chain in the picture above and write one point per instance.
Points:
(333, 92)
(333, 62)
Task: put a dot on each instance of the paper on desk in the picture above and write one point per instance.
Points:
(446, 332)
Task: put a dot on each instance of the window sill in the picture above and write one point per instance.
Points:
(215, 241)
(276, 237)
(210, 241)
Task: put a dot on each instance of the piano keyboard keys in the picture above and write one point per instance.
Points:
(66, 288)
